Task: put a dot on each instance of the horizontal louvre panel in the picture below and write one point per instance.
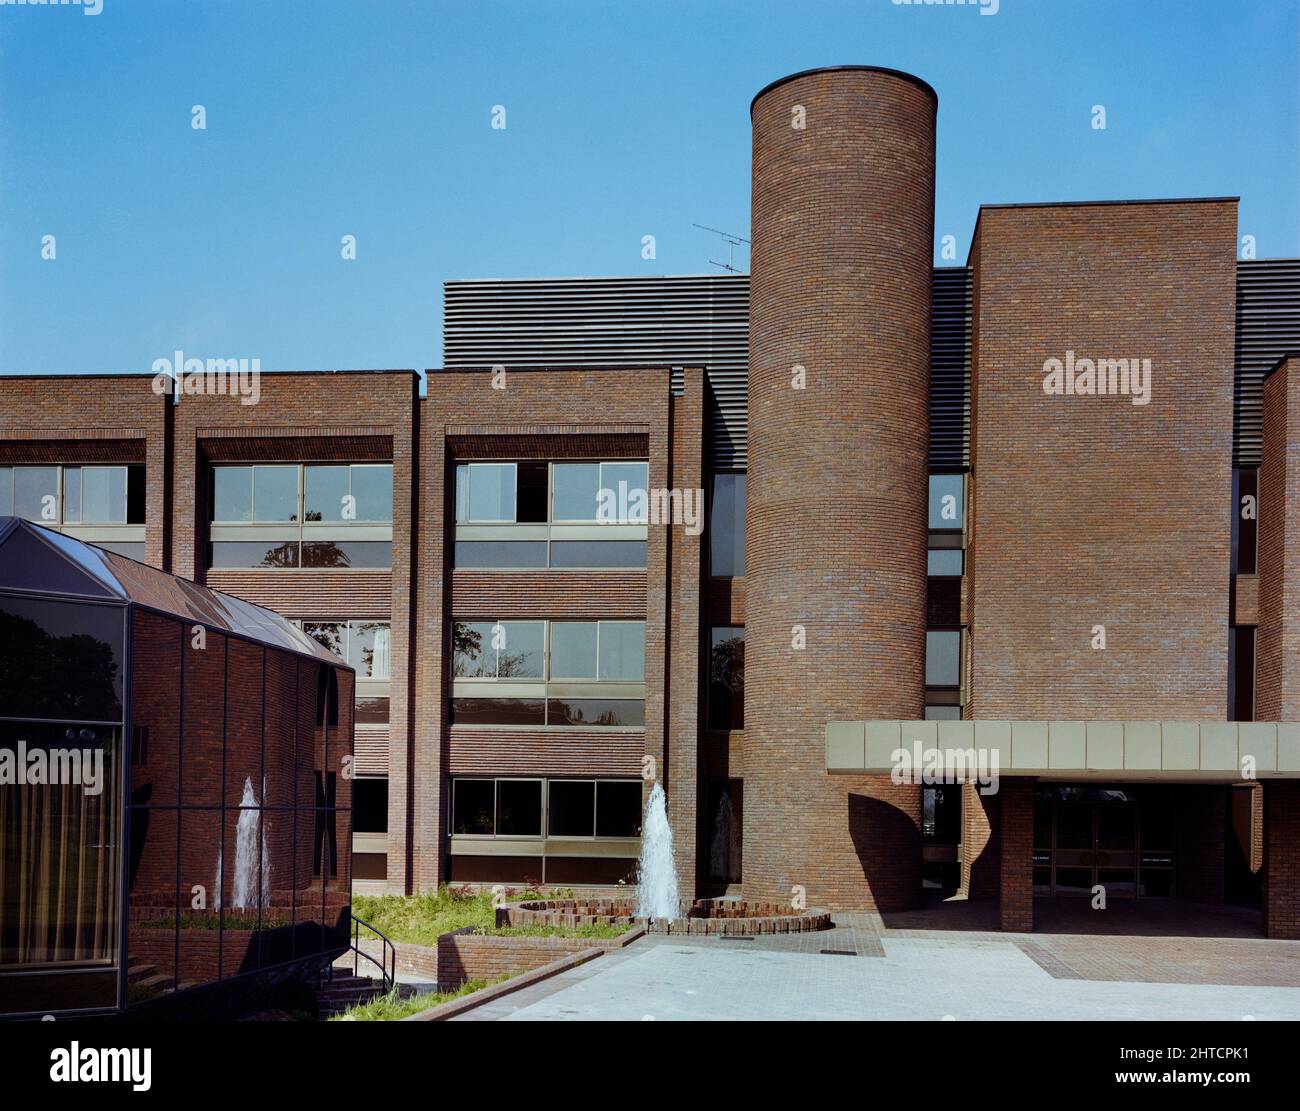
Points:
(675, 322)
(558, 594)
(950, 368)
(370, 750)
(321, 593)
(614, 322)
(1268, 327)
(595, 752)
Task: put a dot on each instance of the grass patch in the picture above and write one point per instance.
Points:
(421, 919)
(391, 1007)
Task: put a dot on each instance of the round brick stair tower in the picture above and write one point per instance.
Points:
(842, 230)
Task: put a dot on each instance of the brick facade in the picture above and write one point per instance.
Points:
(1082, 511)
(1089, 510)
(1277, 654)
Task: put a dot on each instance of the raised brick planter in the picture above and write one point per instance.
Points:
(463, 955)
(729, 917)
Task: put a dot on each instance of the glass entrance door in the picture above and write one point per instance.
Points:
(1085, 837)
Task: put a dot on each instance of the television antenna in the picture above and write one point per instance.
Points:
(732, 241)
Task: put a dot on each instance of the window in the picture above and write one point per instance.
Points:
(498, 650)
(1245, 520)
(498, 711)
(727, 678)
(598, 553)
(570, 554)
(361, 492)
(364, 644)
(580, 650)
(943, 658)
(622, 651)
(36, 494)
(288, 503)
(485, 492)
(519, 808)
(94, 495)
(618, 808)
(613, 493)
(473, 806)
(727, 525)
(947, 501)
(943, 601)
(572, 809)
(601, 807)
(1241, 673)
(573, 649)
(602, 712)
(945, 562)
(500, 554)
(370, 806)
(91, 495)
(372, 711)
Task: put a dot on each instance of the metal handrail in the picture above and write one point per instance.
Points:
(390, 978)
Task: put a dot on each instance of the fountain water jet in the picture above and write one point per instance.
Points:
(656, 875)
(246, 893)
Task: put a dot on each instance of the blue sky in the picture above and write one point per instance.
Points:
(373, 118)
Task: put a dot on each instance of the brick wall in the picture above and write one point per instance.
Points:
(1277, 649)
(1016, 852)
(836, 532)
(464, 955)
(100, 419)
(980, 843)
(554, 415)
(1201, 842)
(1282, 858)
(1091, 510)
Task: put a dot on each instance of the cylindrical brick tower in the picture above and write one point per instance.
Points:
(839, 349)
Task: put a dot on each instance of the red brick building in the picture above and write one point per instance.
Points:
(1041, 508)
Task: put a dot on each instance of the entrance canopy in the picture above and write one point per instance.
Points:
(1116, 751)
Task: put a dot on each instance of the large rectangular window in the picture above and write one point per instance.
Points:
(366, 645)
(107, 494)
(599, 651)
(727, 525)
(562, 808)
(499, 650)
(271, 515)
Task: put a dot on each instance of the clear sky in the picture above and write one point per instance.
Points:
(372, 118)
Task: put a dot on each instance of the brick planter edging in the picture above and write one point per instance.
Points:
(699, 917)
(455, 1007)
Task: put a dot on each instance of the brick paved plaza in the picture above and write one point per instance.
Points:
(932, 964)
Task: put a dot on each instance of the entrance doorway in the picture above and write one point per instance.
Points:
(1119, 838)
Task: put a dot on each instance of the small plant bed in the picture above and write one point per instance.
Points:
(395, 1005)
(422, 919)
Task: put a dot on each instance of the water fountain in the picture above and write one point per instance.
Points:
(658, 908)
(656, 873)
(246, 887)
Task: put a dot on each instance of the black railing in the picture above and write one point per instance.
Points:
(386, 962)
